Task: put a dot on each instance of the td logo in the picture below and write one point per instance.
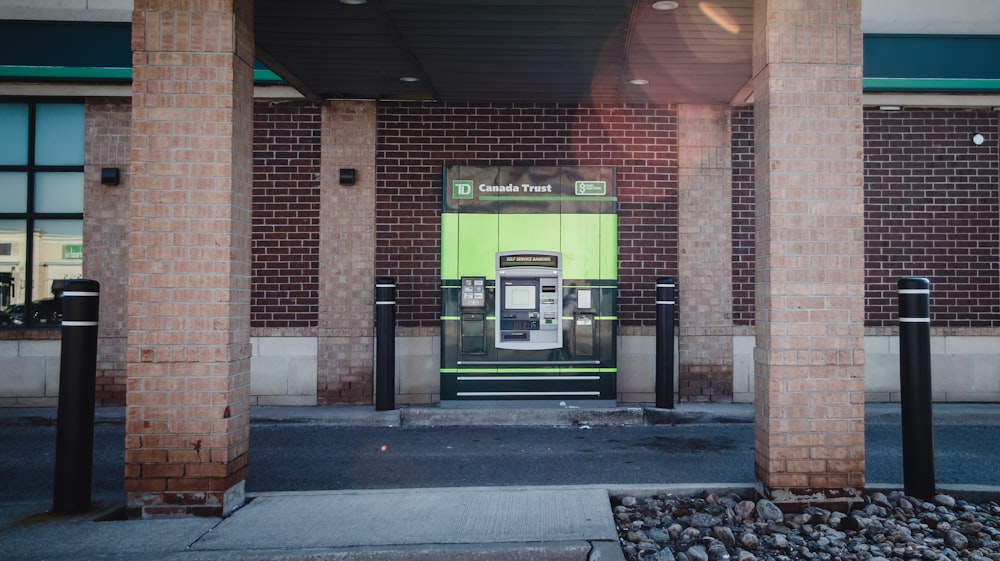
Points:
(461, 189)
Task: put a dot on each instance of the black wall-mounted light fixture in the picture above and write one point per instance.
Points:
(110, 176)
(347, 176)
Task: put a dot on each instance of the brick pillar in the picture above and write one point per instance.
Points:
(188, 353)
(809, 358)
(347, 250)
(704, 261)
(105, 227)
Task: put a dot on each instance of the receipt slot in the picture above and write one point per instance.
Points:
(529, 300)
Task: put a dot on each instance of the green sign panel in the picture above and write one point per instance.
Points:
(72, 252)
(462, 189)
(593, 188)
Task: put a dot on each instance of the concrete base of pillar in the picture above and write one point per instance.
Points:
(147, 505)
(796, 499)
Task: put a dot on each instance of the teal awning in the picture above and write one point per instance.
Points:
(101, 51)
(932, 63)
(76, 51)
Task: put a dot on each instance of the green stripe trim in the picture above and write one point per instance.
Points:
(577, 199)
(606, 318)
(66, 72)
(932, 84)
(450, 318)
(101, 73)
(542, 369)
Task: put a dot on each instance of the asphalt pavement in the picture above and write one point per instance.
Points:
(571, 522)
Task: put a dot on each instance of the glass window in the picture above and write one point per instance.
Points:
(59, 191)
(41, 209)
(13, 134)
(12, 270)
(13, 191)
(59, 134)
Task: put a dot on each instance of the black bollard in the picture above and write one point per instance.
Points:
(77, 379)
(385, 344)
(665, 342)
(915, 386)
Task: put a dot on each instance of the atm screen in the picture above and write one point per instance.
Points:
(519, 297)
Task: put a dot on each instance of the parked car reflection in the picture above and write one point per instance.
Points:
(46, 311)
(12, 315)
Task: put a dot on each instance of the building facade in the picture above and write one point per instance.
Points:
(238, 268)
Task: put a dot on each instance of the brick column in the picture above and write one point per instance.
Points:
(704, 261)
(347, 254)
(188, 353)
(809, 357)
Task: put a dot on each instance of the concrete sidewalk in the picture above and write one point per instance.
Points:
(560, 523)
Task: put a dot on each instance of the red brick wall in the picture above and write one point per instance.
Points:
(932, 209)
(417, 139)
(286, 150)
(744, 221)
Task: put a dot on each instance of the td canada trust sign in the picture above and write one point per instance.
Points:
(523, 189)
(469, 189)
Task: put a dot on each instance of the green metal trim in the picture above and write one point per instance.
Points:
(544, 198)
(609, 247)
(932, 84)
(66, 72)
(118, 74)
(265, 76)
(538, 370)
(451, 318)
(605, 318)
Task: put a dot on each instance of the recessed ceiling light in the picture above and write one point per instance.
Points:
(353, 2)
(665, 5)
(890, 108)
(638, 82)
(409, 79)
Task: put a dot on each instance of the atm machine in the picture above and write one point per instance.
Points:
(528, 288)
(529, 317)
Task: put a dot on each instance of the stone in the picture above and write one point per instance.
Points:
(745, 556)
(725, 535)
(658, 535)
(635, 537)
(750, 541)
(946, 501)
(697, 553)
(956, 540)
(768, 511)
(663, 555)
(745, 510)
(718, 552)
(702, 520)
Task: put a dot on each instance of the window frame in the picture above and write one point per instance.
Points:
(30, 216)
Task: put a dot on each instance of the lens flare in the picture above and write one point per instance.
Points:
(720, 17)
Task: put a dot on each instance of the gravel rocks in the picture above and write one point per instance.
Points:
(710, 527)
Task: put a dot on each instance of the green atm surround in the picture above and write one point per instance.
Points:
(565, 211)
